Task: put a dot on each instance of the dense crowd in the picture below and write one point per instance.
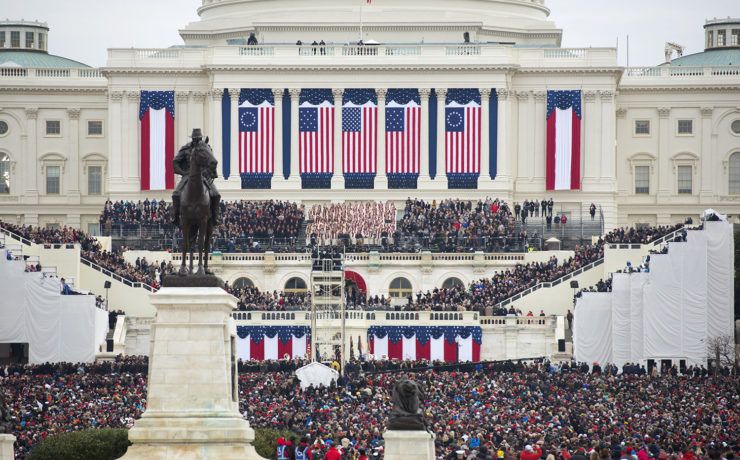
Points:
(250, 298)
(479, 409)
(640, 235)
(358, 221)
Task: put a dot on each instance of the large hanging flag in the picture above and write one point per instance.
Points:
(463, 137)
(402, 137)
(563, 140)
(157, 117)
(263, 343)
(316, 137)
(359, 137)
(256, 137)
(433, 343)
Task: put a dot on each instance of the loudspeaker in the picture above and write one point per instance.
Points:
(561, 345)
(106, 285)
(574, 284)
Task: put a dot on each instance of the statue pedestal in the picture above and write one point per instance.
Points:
(408, 445)
(6, 447)
(192, 402)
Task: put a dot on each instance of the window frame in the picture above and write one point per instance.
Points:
(7, 131)
(678, 127)
(90, 177)
(10, 165)
(249, 283)
(101, 128)
(690, 179)
(401, 291)
(59, 179)
(736, 155)
(46, 127)
(450, 279)
(42, 41)
(12, 32)
(732, 130)
(635, 169)
(295, 290)
(634, 127)
(2, 39)
(33, 40)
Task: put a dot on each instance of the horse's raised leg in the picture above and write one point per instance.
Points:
(192, 247)
(207, 250)
(201, 244)
(185, 239)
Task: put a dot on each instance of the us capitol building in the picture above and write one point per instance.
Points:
(649, 145)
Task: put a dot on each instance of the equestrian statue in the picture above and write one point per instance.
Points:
(196, 201)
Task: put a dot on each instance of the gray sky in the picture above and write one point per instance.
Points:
(84, 29)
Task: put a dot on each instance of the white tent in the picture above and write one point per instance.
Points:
(316, 374)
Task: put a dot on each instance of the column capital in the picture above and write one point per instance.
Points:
(485, 92)
(116, 96)
(133, 96)
(441, 93)
(381, 92)
(295, 93)
(337, 92)
(540, 96)
(706, 112)
(217, 94)
(181, 96)
(606, 96)
(663, 112)
(32, 113)
(621, 112)
(503, 94)
(277, 93)
(522, 96)
(589, 96)
(234, 93)
(73, 113)
(199, 96)
(424, 93)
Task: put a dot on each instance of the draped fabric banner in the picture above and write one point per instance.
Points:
(463, 138)
(563, 140)
(256, 137)
(402, 137)
(359, 137)
(157, 120)
(262, 343)
(433, 343)
(316, 137)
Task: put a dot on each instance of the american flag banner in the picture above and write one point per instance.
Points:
(157, 120)
(256, 137)
(402, 137)
(261, 343)
(316, 137)
(359, 137)
(563, 140)
(432, 343)
(462, 138)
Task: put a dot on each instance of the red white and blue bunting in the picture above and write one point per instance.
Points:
(262, 343)
(433, 343)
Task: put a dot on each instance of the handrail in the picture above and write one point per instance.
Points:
(134, 284)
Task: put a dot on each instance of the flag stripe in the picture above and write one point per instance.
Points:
(157, 148)
(157, 145)
(563, 154)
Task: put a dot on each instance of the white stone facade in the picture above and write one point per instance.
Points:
(416, 50)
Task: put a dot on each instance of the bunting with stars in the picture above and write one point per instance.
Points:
(463, 137)
(157, 120)
(563, 140)
(256, 137)
(262, 343)
(432, 343)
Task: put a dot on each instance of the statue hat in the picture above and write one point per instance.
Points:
(197, 133)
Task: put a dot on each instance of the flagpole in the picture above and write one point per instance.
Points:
(361, 19)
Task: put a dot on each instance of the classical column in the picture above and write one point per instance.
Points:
(381, 180)
(665, 176)
(503, 173)
(130, 130)
(525, 131)
(196, 118)
(337, 179)
(485, 136)
(706, 155)
(114, 144)
(214, 126)
(540, 138)
(441, 178)
(74, 153)
(424, 138)
(277, 176)
(608, 122)
(181, 116)
(592, 132)
(235, 176)
(295, 174)
(30, 169)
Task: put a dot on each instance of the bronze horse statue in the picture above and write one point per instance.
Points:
(195, 210)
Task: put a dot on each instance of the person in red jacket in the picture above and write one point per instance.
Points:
(333, 453)
(531, 453)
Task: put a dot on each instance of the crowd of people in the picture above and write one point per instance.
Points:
(358, 221)
(640, 235)
(250, 298)
(485, 410)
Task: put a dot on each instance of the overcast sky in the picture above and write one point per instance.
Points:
(84, 29)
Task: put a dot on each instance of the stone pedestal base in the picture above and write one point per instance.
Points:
(6, 447)
(408, 445)
(192, 409)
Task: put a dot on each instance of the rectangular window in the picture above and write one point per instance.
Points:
(684, 180)
(42, 41)
(685, 126)
(52, 180)
(734, 182)
(29, 39)
(53, 127)
(642, 127)
(93, 229)
(642, 180)
(2, 39)
(640, 225)
(15, 39)
(720, 38)
(52, 226)
(710, 35)
(735, 38)
(94, 180)
(95, 128)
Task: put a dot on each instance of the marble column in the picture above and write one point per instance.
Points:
(424, 138)
(235, 178)
(30, 161)
(295, 175)
(665, 176)
(524, 151)
(131, 131)
(707, 157)
(441, 179)
(181, 116)
(114, 144)
(215, 126)
(381, 180)
(485, 136)
(277, 176)
(592, 145)
(503, 172)
(337, 179)
(73, 188)
(540, 139)
(608, 122)
(196, 116)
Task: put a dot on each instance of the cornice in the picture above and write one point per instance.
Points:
(683, 89)
(106, 71)
(613, 70)
(43, 89)
(354, 68)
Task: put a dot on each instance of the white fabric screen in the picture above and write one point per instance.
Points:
(409, 347)
(621, 319)
(637, 344)
(693, 296)
(244, 348)
(592, 328)
(662, 312)
(720, 289)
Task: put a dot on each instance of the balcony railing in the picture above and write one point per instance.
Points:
(679, 73)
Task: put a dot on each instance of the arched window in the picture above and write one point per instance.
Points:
(451, 282)
(4, 173)
(399, 287)
(295, 286)
(735, 174)
(242, 283)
